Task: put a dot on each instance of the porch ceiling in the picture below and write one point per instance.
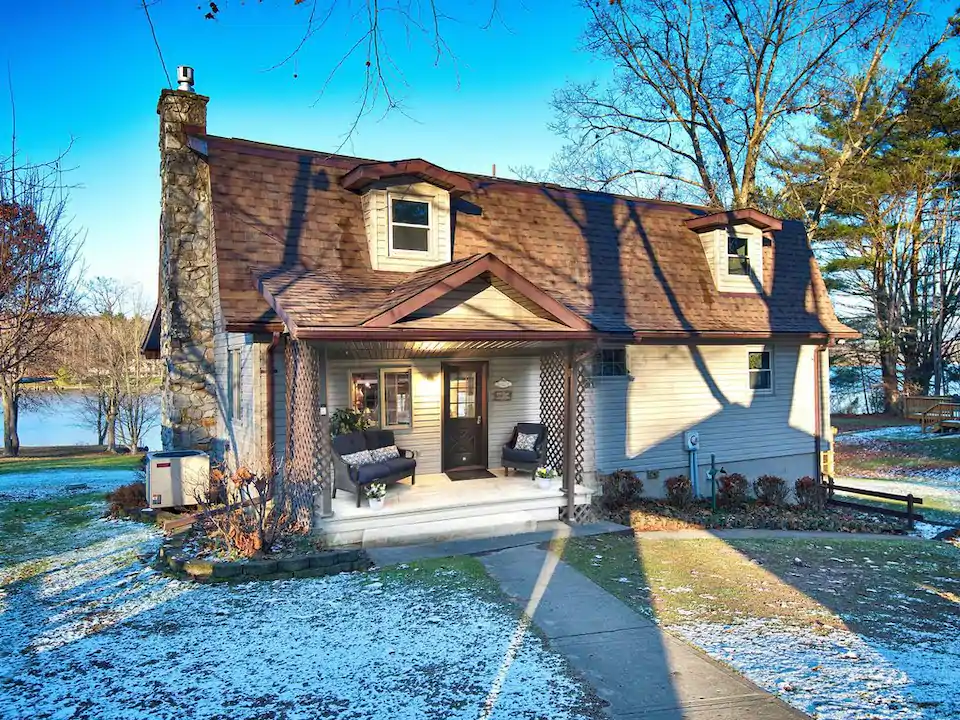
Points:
(398, 350)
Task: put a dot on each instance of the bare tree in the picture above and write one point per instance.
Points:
(38, 279)
(702, 89)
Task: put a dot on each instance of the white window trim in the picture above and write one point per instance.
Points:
(431, 234)
(726, 255)
(235, 384)
(381, 392)
(773, 369)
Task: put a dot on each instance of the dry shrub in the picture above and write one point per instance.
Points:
(811, 495)
(241, 509)
(732, 490)
(679, 490)
(770, 490)
(127, 499)
(621, 490)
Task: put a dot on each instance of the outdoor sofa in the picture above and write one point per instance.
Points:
(370, 466)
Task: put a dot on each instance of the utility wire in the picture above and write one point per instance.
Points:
(156, 42)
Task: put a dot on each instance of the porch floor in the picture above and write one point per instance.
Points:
(437, 508)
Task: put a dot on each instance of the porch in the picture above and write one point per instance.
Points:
(437, 509)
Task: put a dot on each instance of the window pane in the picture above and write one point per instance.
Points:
(411, 212)
(397, 403)
(610, 363)
(761, 380)
(736, 246)
(760, 360)
(737, 265)
(365, 395)
(410, 238)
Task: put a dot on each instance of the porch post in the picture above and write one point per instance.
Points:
(307, 457)
(569, 430)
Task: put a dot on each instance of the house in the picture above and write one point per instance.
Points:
(451, 306)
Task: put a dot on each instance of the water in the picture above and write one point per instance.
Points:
(58, 422)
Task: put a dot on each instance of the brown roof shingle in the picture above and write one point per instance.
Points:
(626, 265)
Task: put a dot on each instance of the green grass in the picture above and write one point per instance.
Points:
(872, 586)
(935, 509)
(31, 529)
(107, 461)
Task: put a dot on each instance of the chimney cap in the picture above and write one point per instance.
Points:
(185, 78)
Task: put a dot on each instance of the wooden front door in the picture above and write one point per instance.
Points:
(464, 416)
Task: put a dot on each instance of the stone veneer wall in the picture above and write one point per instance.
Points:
(189, 405)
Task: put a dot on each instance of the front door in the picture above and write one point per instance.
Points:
(464, 416)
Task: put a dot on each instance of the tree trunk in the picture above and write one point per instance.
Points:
(111, 422)
(11, 417)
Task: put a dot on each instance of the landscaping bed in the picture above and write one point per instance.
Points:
(655, 515)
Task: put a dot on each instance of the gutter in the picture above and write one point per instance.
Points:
(271, 450)
(818, 411)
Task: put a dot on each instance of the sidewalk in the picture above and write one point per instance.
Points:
(640, 670)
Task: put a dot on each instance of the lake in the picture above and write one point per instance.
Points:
(57, 422)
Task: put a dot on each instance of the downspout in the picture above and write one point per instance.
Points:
(818, 412)
(271, 450)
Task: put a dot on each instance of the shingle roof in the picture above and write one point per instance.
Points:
(624, 264)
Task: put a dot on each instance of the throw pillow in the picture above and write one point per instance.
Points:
(385, 453)
(358, 458)
(525, 441)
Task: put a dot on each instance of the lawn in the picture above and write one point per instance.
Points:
(81, 461)
(89, 630)
(841, 628)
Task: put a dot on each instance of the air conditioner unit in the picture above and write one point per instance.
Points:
(177, 477)
(691, 440)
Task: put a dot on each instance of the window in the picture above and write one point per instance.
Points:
(462, 397)
(738, 256)
(760, 370)
(397, 408)
(234, 385)
(610, 362)
(409, 225)
(384, 396)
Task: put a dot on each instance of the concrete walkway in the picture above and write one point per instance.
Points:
(638, 669)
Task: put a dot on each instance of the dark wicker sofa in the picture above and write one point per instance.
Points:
(353, 477)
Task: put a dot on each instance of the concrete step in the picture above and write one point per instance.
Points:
(495, 525)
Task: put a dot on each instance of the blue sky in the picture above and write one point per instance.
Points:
(97, 79)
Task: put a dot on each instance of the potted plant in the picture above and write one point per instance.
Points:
(545, 477)
(375, 493)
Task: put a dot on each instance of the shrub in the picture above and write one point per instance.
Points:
(620, 490)
(732, 490)
(348, 420)
(770, 490)
(679, 490)
(127, 498)
(811, 495)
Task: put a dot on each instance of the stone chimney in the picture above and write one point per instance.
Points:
(187, 294)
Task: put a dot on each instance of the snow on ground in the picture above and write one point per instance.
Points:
(891, 433)
(98, 634)
(836, 675)
(40, 484)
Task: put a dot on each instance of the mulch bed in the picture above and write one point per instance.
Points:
(656, 515)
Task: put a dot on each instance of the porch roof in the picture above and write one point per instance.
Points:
(449, 302)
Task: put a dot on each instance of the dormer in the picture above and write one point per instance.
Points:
(406, 212)
(733, 243)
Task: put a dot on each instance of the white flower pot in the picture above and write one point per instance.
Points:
(545, 483)
(375, 503)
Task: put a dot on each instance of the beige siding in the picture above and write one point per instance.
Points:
(715, 248)
(377, 222)
(243, 436)
(479, 304)
(639, 421)
(523, 405)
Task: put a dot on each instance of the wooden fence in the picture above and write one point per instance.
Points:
(910, 501)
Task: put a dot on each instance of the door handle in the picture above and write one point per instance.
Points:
(479, 420)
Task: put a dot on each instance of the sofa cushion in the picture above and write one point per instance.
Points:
(385, 453)
(401, 465)
(523, 456)
(349, 443)
(378, 438)
(372, 472)
(361, 457)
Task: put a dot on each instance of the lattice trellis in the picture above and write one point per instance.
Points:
(553, 402)
(552, 406)
(583, 513)
(308, 461)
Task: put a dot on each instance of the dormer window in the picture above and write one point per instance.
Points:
(409, 225)
(738, 255)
